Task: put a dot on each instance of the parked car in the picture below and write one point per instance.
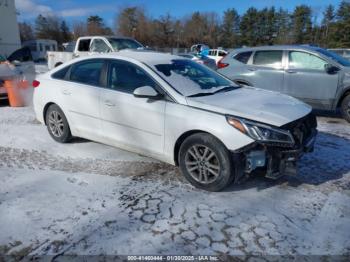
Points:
(216, 54)
(177, 111)
(344, 52)
(314, 75)
(201, 59)
(89, 45)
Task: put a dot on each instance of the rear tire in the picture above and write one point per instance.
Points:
(205, 162)
(57, 124)
(345, 108)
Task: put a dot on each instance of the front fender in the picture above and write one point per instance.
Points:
(199, 120)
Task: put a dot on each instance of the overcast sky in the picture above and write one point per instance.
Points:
(74, 10)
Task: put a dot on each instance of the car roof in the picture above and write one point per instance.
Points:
(106, 36)
(144, 56)
(279, 47)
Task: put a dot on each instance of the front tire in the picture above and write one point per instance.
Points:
(205, 162)
(57, 124)
(345, 108)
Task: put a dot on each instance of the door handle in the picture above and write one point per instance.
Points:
(66, 92)
(109, 103)
(75, 55)
(291, 71)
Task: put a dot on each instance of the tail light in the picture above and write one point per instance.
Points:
(35, 83)
(221, 64)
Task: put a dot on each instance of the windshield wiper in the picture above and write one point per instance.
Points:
(222, 89)
(202, 94)
(226, 89)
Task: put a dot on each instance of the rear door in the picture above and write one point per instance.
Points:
(134, 122)
(266, 70)
(307, 79)
(81, 94)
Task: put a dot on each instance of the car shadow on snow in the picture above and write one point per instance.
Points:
(330, 161)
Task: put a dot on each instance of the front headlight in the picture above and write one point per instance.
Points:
(261, 132)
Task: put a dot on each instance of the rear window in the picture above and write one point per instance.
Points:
(87, 72)
(243, 57)
(61, 74)
(84, 45)
(268, 58)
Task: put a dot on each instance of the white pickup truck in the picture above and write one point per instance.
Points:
(89, 45)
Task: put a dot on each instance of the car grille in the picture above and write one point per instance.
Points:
(302, 128)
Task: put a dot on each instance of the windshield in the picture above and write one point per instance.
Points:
(190, 78)
(120, 43)
(339, 59)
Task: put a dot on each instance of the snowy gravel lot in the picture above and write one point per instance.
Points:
(88, 198)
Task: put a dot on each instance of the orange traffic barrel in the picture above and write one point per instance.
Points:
(14, 93)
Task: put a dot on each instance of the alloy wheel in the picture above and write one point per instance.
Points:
(202, 164)
(56, 123)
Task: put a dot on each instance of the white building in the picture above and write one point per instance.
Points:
(9, 32)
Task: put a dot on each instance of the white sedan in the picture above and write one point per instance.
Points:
(177, 111)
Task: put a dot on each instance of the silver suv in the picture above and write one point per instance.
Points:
(314, 75)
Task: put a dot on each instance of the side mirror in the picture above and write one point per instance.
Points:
(146, 92)
(331, 69)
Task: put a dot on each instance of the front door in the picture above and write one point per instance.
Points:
(307, 80)
(137, 123)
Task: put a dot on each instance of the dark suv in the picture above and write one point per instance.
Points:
(314, 75)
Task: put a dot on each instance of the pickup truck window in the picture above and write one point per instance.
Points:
(123, 43)
(84, 45)
(98, 45)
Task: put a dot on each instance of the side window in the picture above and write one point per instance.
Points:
(126, 77)
(84, 45)
(243, 57)
(302, 60)
(87, 72)
(222, 53)
(268, 58)
(98, 45)
(61, 74)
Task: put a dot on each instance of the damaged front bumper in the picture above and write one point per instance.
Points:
(276, 160)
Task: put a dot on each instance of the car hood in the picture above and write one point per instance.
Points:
(255, 104)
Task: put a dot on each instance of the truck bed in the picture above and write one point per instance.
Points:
(55, 57)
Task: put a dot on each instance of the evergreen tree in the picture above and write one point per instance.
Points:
(230, 29)
(302, 25)
(342, 28)
(65, 33)
(249, 27)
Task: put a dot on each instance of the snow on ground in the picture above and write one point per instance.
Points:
(88, 198)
